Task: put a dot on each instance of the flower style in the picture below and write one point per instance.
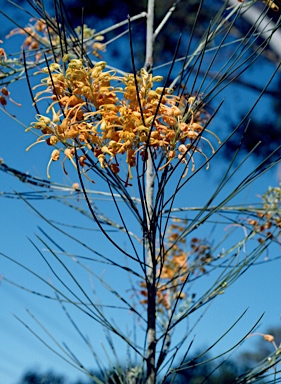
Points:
(108, 115)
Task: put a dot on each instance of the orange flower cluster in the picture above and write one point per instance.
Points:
(173, 270)
(40, 36)
(269, 219)
(37, 35)
(201, 252)
(176, 265)
(109, 116)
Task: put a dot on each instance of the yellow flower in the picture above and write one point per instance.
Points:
(113, 121)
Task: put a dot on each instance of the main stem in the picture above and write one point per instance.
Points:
(151, 277)
(150, 235)
(149, 35)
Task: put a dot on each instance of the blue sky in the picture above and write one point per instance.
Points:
(19, 350)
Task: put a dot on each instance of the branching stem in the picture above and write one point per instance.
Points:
(149, 35)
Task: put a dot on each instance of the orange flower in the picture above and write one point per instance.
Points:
(90, 111)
